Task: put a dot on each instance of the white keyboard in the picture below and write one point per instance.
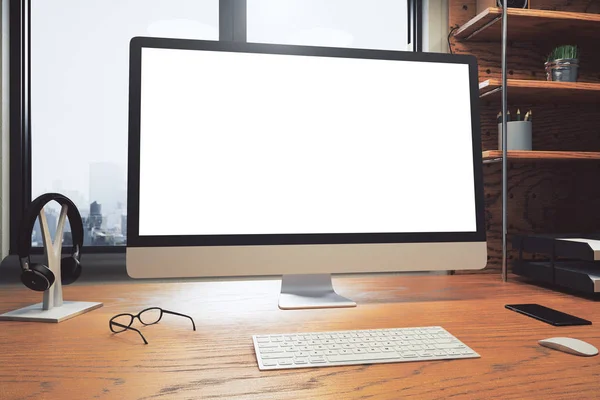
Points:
(323, 349)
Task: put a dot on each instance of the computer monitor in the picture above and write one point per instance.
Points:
(250, 159)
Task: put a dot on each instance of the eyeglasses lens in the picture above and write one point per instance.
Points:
(122, 320)
(150, 316)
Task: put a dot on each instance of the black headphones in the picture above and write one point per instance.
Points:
(38, 276)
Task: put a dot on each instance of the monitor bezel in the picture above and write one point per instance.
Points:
(135, 240)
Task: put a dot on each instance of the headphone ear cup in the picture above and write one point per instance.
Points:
(38, 277)
(70, 270)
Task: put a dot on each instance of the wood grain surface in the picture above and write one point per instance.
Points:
(496, 155)
(81, 359)
(538, 25)
(543, 197)
(541, 92)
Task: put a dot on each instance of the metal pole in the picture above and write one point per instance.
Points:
(504, 146)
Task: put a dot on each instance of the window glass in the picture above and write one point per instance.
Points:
(79, 98)
(369, 24)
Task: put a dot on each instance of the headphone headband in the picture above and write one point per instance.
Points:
(31, 214)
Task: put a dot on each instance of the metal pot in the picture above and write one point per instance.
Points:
(563, 70)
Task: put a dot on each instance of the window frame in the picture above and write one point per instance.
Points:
(232, 27)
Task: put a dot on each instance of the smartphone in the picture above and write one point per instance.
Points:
(548, 315)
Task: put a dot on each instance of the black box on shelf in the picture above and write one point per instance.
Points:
(574, 260)
(577, 246)
(575, 275)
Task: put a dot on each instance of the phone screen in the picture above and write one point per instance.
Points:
(548, 315)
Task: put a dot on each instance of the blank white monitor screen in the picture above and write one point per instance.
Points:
(260, 159)
(250, 143)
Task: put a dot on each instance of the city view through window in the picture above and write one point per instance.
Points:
(79, 100)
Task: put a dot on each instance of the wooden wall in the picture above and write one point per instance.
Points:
(544, 196)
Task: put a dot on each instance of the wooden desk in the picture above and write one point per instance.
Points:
(81, 359)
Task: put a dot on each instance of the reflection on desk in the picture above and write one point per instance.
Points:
(82, 359)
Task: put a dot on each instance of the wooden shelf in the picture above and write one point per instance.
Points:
(496, 155)
(529, 25)
(536, 91)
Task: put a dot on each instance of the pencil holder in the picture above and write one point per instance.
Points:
(519, 135)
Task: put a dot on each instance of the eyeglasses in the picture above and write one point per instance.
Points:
(149, 316)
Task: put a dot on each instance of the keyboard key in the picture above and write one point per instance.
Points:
(317, 360)
(301, 360)
(454, 345)
(268, 345)
(270, 356)
(285, 361)
(409, 354)
(269, 363)
(267, 351)
(362, 357)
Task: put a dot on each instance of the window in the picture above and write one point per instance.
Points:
(79, 97)
(69, 82)
(380, 24)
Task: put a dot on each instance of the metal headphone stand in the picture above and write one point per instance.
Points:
(53, 308)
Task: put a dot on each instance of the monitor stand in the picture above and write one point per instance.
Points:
(310, 291)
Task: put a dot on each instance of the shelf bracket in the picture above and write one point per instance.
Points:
(492, 22)
(495, 90)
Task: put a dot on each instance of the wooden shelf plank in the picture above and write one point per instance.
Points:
(537, 91)
(528, 25)
(496, 155)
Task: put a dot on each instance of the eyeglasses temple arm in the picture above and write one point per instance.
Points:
(128, 327)
(181, 315)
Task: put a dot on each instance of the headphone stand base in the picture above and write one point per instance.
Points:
(36, 313)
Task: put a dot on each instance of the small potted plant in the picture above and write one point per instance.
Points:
(562, 64)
